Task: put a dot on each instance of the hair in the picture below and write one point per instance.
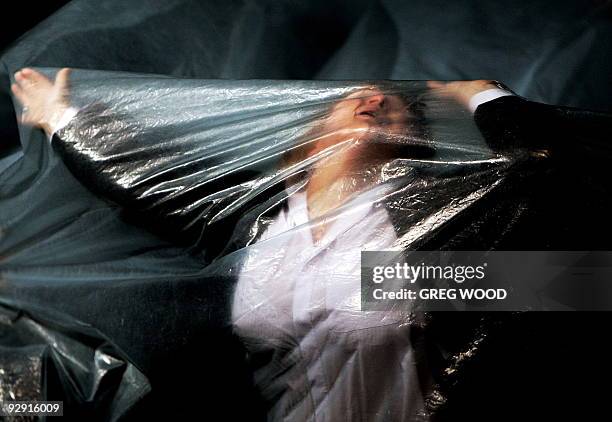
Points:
(416, 126)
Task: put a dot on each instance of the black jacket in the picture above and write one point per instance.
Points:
(545, 140)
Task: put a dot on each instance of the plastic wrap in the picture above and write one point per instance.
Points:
(271, 189)
(51, 357)
(170, 213)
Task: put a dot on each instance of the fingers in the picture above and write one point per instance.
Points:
(18, 93)
(35, 76)
(435, 84)
(28, 78)
(22, 98)
(62, 78)
(20, 77)
(442, 89)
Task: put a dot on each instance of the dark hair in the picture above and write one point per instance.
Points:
(417, 121)
(419, 138)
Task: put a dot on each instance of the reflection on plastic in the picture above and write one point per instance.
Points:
(36, 358)
(276, 188)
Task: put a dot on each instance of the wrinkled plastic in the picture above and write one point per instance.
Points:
(50, 357)
(557, 55)
(228, 175)
(148, 214)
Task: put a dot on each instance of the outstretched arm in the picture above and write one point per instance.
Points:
(46, 105)
(509, 122)
(171, 187)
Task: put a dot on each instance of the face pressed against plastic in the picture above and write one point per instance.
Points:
(350, 156)
(191, 154)
(360, 116)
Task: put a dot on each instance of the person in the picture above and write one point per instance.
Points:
(365, 118)
(295, 299)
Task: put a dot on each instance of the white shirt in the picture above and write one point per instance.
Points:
(301, 298)
(298, 302)
(486, 96)
(321, 273)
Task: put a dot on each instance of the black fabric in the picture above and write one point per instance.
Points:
(508, 124)
(535, 366)
(573, 138)
(46, 355)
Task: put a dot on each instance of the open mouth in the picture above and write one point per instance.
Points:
(366, 114)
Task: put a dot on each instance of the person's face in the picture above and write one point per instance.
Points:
(361, 116)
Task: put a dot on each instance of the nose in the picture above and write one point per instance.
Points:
(378, 99)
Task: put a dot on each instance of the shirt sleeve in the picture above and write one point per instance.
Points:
(486, 96)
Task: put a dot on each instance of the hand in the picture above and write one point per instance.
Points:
(44, 101)
(460, 91)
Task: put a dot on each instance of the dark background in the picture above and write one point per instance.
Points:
(23, 16)
(555, 363)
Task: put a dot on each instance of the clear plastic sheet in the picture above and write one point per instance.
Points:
(155, 214)
(557, 55)
(51, 357)
(270, 190)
